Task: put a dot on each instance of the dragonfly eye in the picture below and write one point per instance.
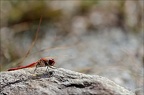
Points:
(51, 62)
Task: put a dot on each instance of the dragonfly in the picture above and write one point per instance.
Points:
(43, 62)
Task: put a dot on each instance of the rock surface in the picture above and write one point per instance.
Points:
(57, 82)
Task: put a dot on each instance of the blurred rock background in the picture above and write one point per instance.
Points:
(89, 36)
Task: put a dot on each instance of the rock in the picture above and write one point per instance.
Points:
(57, 81)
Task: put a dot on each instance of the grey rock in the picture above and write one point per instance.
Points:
(57, 81)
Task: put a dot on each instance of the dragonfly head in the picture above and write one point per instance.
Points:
(51, 62)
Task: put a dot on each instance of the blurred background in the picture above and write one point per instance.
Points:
(89, 36)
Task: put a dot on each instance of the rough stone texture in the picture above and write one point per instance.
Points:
(57, 82)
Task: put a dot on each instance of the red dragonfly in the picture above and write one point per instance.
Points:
(43, 62)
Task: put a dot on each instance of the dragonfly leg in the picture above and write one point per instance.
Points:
(47, 70)
(35, 68)
(50, 73)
